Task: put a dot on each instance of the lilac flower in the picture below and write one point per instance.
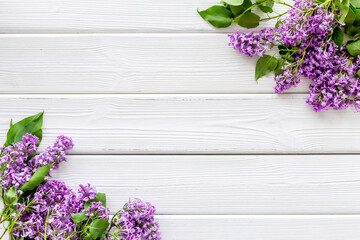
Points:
(86, 192)
(305, 20)
(55, 154)
(97, 210)
(48, 212)
(51, 209)
(136, 221)
(332, 72)
(253, 44)
(18, 169)
(305, 37)
(13, 160)
(289, 78)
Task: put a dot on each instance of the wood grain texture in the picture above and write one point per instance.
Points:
(127, 63)
(260, 228)
(223, 184)
(188, 124)
(105, 16)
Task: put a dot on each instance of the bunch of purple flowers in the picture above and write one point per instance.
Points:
(310, 42)
(36, 207)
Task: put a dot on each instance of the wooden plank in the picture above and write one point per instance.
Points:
(105, 16)
(261, 227)
(258, 227)
(198, 184)
(188, 124)
(127, 63)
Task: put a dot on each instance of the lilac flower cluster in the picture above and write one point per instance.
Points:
(253, 44)
(331, 71)
(306, 32)
(13, 159)
(304, 21)
(55, 154)
(49, 212)
(136, 221)
(17, 169)
(53, 211)
(97, 210)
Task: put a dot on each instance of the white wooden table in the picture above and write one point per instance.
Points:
(161, 108)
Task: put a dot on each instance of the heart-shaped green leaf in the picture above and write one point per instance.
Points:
(11, 196)
(234, 2)
(355, 3)
(79, 218)
(248, 20)
(266, 7)
(338, 37)
(32, 125)
(344, 6)
(238, 10)
(354, 48)
(37, 178)
(358, 74)
(265, 65)
(218, 16)
(97, 228)
(278, 70)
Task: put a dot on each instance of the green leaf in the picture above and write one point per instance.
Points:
(353, 32)
(354, 48)
(265, 65)
(358, 74)
(32, 125)
(97, 228)
(355, 3)
(248, 20)
(344, 6)
(11, 196)
(278, 70)
(37, 178)
(218, 16)
(350, 18)
(356, 22)
(100, 197)
(79, 218)
(234, 2)
(238, 10)
(266, 7)
(352, 21)
(338, 36)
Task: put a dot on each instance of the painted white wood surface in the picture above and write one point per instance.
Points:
(260, 227)
(188, 124)
(127, 63)
(204, 184)
(44, 16)
(82, 47)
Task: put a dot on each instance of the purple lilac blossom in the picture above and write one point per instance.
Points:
(304, 21)
(97, 210)
(253, 44)
(51, 208)
(18, 169)
(55, 154)
(13, 160)
(288, 79)
(136, 221)
(308, 27)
